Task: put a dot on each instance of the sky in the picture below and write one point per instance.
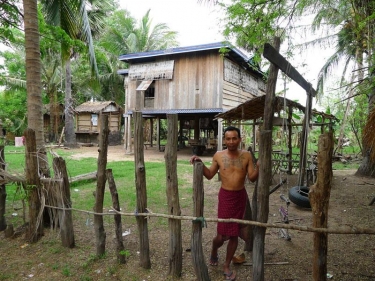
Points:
(199, 23)
(196, 23)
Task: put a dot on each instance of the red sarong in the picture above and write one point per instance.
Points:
(232, 204)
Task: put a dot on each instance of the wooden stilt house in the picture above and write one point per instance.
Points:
(195, 82)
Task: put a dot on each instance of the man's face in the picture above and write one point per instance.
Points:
(231, 140)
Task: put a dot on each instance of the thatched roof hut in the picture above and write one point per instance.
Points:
(88, 125)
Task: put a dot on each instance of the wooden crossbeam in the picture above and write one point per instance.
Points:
(274, 56)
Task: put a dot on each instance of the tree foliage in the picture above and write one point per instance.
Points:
(10, 17)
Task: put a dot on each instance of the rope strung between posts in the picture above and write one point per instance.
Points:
(341, 230)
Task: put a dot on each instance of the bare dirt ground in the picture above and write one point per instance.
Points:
(350, 257)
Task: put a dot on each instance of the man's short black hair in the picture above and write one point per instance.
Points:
(232, 128)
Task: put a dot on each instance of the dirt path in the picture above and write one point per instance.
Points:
(118, 153)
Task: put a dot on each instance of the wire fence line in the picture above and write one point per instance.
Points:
(348, 229)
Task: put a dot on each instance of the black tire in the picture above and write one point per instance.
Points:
(299, 195)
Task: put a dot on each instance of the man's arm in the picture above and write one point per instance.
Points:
(210, 172)
(252, 170)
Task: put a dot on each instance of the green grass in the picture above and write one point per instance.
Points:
(124, 176)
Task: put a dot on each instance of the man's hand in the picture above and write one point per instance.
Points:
(195, 158)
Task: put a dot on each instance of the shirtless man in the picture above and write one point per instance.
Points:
(234, 165)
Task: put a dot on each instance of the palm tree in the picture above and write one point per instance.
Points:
(34, 109)
(123, 35)
(354, 19)
(73, 17)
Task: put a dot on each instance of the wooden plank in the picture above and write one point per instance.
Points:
(274, 56)
(88, 176)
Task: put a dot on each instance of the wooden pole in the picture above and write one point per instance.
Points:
(265, 172)
(199, 264)
(175, 237)
(140, 182)
(319, 199)
(121, 258)
(65, 216)
(290, 147)
(3, 194)
(100, 234)
(33, 186)
(303, 149)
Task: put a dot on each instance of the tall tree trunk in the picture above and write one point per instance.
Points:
(367, 167)
(340, 141)
(54, 111)
(33, 188)
(33, 81)
(70, 137)
(3, 193)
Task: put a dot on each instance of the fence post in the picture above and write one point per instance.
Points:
(118, 226)
(33, 186)
(140, 182)
(65, 216)
(199, 264)
(100, 234)
(3, 194)
(319, 198)
(175, 237)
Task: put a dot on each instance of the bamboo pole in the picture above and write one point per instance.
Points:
(347, 229)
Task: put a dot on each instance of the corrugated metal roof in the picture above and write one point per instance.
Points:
(235, 53)
(123, 71)
(254, 109)
(181, 50)
(178, 111)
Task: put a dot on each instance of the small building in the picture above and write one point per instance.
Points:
(87, 121)
(195, 82)
(53, 121)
